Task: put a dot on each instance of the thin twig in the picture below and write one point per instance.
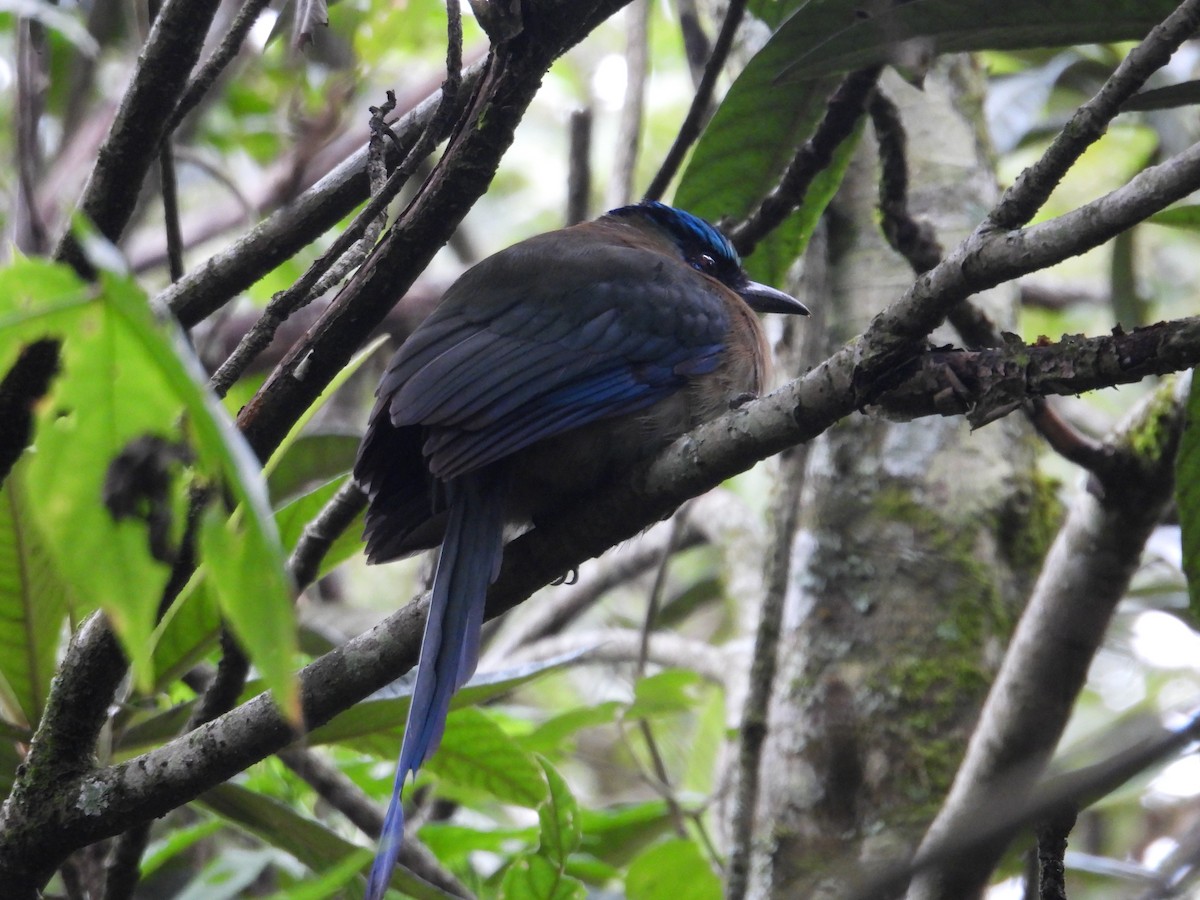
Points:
(662, 777)
(170, 199)
(912, 238)
(753, 728)
(287, 302)
(319, 534)
(210, 70)
(696, 46)
(629, 129)
(579, 166)
(845, 107)
(289, 229)
(700, 110)
(654, 601)
(31, 234)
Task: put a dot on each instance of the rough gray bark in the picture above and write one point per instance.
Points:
(917, 543)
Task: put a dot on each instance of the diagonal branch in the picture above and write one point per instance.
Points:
(281, 235)
(1022, 201)
(132, 143)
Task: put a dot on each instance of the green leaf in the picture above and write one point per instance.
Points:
(146, 730)
(559, 818)
(453, 844)
(669, 691)
(127, 376)
(301, 458)
(34, 601)
(825, 37)
(188, 631)
(312, 459)
(331, 882)
(108, 394)
(551, 735)
(618, 833)
(778, 99)
(1187, 496)
(672, 870)
(174, 842)
(255, 596)
(1185, 217)
(748, 144)
(476, 753)
(292, 518)
(376, 724)
(776, 253)
(534, 877)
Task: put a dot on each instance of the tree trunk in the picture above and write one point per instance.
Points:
(916, 547)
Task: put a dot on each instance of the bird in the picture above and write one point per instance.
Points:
(544, 371)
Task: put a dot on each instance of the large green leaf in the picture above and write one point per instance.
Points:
(824, 37)
(33, 605)
(749, 142)
(778, 99)
(128, 377)
(672, 870)
(255, 596)
(477, 754)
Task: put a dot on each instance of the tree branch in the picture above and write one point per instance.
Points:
(281, 235)
(701, 108)
(988, 384)
(132, 144)
(1031, 189)
(989, 257)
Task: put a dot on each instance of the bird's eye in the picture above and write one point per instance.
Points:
(704, 263)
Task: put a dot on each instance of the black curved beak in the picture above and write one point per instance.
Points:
(765, 299)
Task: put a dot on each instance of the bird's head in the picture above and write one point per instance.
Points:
(709, 252)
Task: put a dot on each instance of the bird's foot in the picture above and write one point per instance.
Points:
(569, 577)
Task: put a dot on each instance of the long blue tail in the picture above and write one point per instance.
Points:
(469, 562)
